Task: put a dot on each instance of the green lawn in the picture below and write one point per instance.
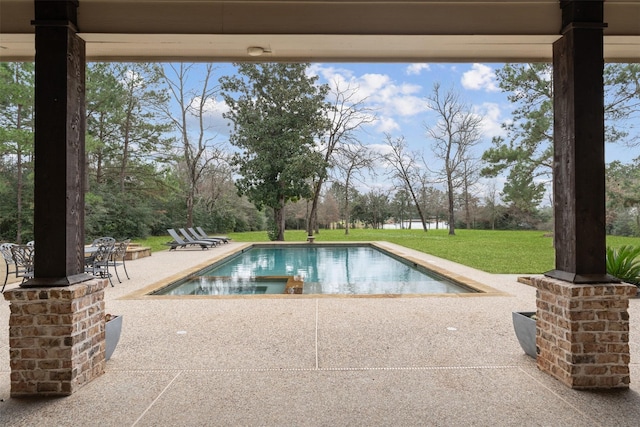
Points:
(517, 252)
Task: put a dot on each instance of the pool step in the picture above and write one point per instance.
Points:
(294, 285)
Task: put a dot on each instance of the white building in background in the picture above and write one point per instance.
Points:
(415, 224)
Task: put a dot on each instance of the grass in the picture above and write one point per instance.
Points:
(501, 252)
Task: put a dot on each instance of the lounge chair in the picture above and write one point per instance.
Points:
(197, 236)
(178, 242)
(203, 235)
(190, 238)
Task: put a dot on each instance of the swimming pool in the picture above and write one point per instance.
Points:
(314, 269)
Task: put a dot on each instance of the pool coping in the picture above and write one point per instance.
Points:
(482, 289)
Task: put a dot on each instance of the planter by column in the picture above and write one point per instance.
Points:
(525, 328)
(112, 330)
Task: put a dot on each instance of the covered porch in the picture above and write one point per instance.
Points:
(576, 35)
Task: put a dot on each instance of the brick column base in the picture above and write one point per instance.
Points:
(583, 332)
(56, 338)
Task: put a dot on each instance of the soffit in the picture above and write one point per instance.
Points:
(310, 30)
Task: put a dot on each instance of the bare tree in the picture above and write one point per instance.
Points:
(346, 114)
(456, 131)
(198, 147)
(470, 176)
(436, 202)
(491, 203)
(351, 159)
(329, 211)
(406, 170)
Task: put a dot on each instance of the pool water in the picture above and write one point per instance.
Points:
(351, 270)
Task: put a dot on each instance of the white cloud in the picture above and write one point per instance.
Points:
(491, 119)
(386, 124)
(480, 77)
(381, 92)
(391, 100)
(416, 69)
(213, 111)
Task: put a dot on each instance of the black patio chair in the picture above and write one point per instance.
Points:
(5, 249)
(97, 263)
(107, 241)
(23, 259)
(118, 257)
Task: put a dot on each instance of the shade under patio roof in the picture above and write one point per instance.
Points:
(313, 30)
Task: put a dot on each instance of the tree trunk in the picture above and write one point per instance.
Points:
(452, 230)
(19, 180)
(20, 186)
(99, 153)
(190, 199)
(312, 223)
(279, 219)
(418, 208)
(346, 209)
(467, 210)
(125, 146)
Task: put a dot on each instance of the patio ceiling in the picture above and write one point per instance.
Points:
(329, 30)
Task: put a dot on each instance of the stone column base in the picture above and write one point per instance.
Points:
(583, 332)
(56, 338)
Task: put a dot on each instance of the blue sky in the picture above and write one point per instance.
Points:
(397, 92)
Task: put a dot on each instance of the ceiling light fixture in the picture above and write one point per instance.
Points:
(255, 51)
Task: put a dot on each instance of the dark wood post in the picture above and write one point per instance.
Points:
(579, 168)
(59, 145)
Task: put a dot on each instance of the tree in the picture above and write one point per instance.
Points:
(528, 147)
(523, 193)
(351, 160)
(622, 101)
(435, 202)
(198, 150)
(491, 205)
(455, 133)
(124, 130)
(470, 176)
(104, 98)
(406, 171)
(347, 114)
(278, 113)
(329, 212)
(401, 207)
(373, 208)
(142, 131)
(623, 198)
(126, 150)
(218, 206)
(16, 142)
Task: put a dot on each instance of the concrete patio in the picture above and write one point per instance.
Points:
(300, 360)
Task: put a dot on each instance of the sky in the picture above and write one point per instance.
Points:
(398, 92)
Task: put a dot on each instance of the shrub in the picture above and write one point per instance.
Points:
(624, 264)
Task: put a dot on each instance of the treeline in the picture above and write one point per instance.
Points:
(139, 168)
(156, 160)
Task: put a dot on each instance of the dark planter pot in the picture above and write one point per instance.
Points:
(525, 328)
(112, 335)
